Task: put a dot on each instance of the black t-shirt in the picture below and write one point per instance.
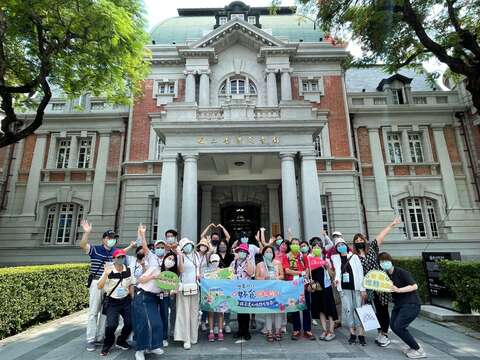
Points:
(346, 268)
(225, 261)
(402, 278)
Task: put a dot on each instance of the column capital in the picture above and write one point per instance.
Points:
(308, 155)
(206, 187)
(286, 70)
(438, 127)
(42, 134)
(373, 128)
(287, 156)
(205, 72)
(190, 157)
(189, 72)
(104, 133)
(271, 71)
(273, 186)
(169, 157)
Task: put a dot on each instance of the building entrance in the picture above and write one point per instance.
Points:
(238, 217)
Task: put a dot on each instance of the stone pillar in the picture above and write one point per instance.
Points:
(168, 199)
(465, 163)
(286, 85)
(311, 203)
(381, 184)
(273, 206)
(204, 95)
(189, 197)
(206, 215)
(446, 170)
(98, 191)
(272, 99)
(407, 156)
(291, 216)
(72, 160)
(190, 87)
(33, 182)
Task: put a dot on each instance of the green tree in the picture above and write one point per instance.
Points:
(403, 33)
(78, 46)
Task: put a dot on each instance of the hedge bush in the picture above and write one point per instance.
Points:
(33, 294)
(463, 280)
(415, 267)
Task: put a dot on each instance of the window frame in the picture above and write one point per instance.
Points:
(391, 147)
(413, 147)
(424, 210)
(326, 218)
(240, 83)
(154, 219)
(250, 17)
(72, 213)
(87, 155)
(222, 20)
(65, 145)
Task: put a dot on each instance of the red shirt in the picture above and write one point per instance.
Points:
(292, 262)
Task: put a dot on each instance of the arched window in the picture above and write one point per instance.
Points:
(63, 223)
(237, 86)
(419, 216)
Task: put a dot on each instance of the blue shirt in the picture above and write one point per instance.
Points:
(98, 257)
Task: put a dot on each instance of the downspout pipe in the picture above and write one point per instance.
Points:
(120, 176)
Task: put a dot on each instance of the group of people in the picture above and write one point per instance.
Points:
(125, 285)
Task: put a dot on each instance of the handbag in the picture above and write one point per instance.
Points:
(189, 289)
(367, 317)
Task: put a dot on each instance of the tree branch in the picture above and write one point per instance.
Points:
(466, 37)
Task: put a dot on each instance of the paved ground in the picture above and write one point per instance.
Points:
(64, 339)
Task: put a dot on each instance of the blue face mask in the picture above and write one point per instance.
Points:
(111, 243)
(279, 242)
(242, 255)
(268, 257)
(187, 249)
(244, 240)
(119, 260)
(342, 249)
(386, 265)
(171, 240)
(160, 252)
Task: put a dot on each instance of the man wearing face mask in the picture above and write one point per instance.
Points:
(406, 305)
(117, 282)
(99, 255)
(171, 239)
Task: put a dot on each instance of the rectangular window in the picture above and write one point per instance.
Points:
(222, 20)
(432, 219)
(166, 88)
(317, 143)
(394, 145)
(237, 16)
(420, 100)
(159, 146)
(58, 107)
(310, 86)
(442, 99)
(415, 142)
(97, 105)
(305, 86)
(252, 20)
(358, 101)
(84, 153)
(398, 96)
(65, 218)
(154, 219)
(63, 153)
(379, 101)
(417, 221)
(325, 213)
(419, 217)
(401, 213)
(79, 222)
(52, 211)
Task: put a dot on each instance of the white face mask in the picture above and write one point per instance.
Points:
(169, 263)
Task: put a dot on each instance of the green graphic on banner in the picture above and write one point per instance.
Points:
(219, 274)
(167, 280)
(252, 296)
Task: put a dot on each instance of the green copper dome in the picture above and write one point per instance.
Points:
(178, 30)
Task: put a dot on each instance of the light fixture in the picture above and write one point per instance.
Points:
(239, 163)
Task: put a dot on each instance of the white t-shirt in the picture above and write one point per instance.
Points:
(151, 286)
(152, 260)
(189, 275)
(135, 267)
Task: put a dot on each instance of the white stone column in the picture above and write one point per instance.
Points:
(381, 184)
(407, 156)
(52, 152)
(446, 169)
(311, 203)
(286, 85)
(98, 191)
(272, 99)
(72, 160)
(190, 87)
(204, 95)
(291, 215)
(168, 199)
(33, 182)
(206, 215)
(273, 206)
(189, 197)
(465, 164)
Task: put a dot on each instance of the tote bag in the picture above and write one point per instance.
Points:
(367, 316)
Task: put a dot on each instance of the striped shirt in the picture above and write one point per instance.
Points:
(98, 257)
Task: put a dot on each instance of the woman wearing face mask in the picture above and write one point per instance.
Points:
(243, 268)
(367, 252)
(349, 282)
(213, 264)
(169, 263)
(406, 305)
(294, 267)
(186, 322)
(154, 257)
(226, 258)
(271, 269)
(203, 253)
(215, 235)
(323, 303)
(117, 282)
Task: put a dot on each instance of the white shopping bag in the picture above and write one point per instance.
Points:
(367, 316)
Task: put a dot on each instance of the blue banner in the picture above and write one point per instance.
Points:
(252, 296)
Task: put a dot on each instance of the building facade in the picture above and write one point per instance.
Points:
(249, 120)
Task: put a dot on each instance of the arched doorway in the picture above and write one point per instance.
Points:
(238, 217)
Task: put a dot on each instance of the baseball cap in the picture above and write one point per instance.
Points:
(109, 233)
(119, 252)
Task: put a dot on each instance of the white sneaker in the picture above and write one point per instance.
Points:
(314, 322)
(284, 329)
(139, 355)
(215, 330)
(264, 331)
(165, 343)
(227, 329)
(416, 354)
(383, 340)
(157, 351)
(405, 349)
(203, 326)
(187, 346)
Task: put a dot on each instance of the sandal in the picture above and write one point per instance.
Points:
(323, 335)
(278, 336)
(308, 335)
(270, 337)
(295, 335)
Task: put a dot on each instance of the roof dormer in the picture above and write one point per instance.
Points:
(237, 10)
